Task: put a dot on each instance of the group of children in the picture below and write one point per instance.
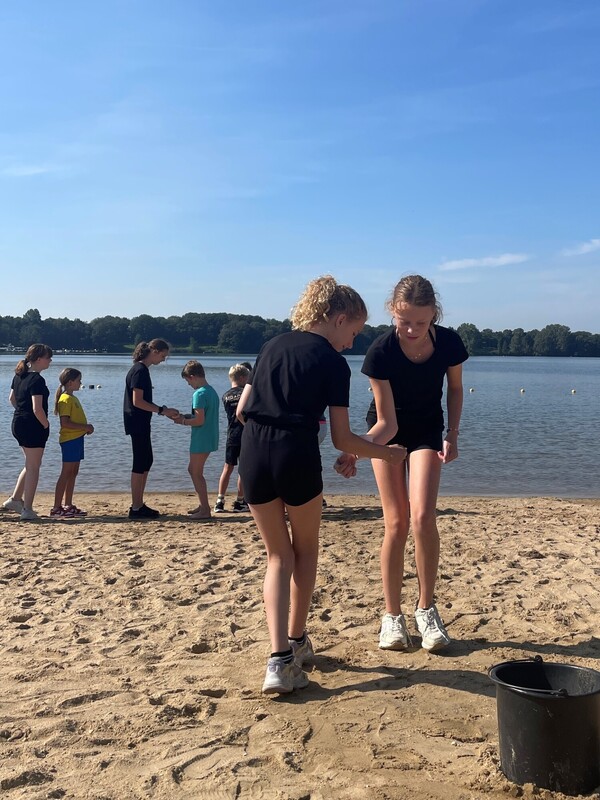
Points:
(296, 377)
(29, 397)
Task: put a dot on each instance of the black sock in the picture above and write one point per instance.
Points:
(286, 656)
(300, 640)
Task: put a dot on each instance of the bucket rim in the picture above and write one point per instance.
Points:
(559, 694)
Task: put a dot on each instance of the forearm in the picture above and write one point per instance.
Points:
(454, 399)
(361, 446)
(41, 417)
(73, 426)
(383, 431)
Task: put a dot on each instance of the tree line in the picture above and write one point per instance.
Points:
(241, 333)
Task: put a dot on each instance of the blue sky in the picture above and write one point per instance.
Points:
(215, 156)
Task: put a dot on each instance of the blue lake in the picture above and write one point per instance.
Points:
(542, 441)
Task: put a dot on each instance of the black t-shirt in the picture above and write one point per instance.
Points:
(296, 377)
(230, 401)
(136, 419)
(26, 386)
(417, 387)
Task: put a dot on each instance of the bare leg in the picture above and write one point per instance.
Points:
(424, 482)
(66, 483)
(391, 482)
(33, 462)
(291, 565)
(196, 470)
(20, 484)
(224, 479)
(240, 487)
(305, 521)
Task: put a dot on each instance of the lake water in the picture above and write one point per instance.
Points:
(543, 441)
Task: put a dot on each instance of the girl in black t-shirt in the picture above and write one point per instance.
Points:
(30, 425)
(296, 377)
(409, 364)
(138, 408)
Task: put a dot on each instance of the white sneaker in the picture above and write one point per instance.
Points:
(394, 635)
(282, 678)
(13, 505)
(28, 514)
(302, 652)
(429, 624)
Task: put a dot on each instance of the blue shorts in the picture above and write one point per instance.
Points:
(72, 451)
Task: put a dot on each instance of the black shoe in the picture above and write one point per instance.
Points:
(143, 513)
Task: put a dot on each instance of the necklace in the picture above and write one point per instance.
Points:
(415, 356)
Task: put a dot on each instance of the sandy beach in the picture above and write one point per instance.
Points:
(133, 653)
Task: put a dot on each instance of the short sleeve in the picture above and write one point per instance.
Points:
(376, 364)
(65, 406)
(200, 399)
(338, 385)
(37, 386)
(457, 352)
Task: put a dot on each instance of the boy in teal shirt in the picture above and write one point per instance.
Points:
(204, 422)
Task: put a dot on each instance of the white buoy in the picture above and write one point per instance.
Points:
(98, 387)
(573, 391)
(522, 390)
(471, 390)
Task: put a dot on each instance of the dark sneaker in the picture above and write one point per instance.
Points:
(219, 507)
(241, 506)
(143, 513)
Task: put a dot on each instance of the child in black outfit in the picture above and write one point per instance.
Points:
(238, 375)
(298, 375)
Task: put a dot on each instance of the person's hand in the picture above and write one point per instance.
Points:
(345, 465)
(89, 429)
(396, 454)
(178, 420)
(171, 413)
(449, 450)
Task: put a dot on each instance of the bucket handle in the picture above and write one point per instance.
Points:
(543, 692)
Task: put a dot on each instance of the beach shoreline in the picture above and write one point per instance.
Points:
(134, 652)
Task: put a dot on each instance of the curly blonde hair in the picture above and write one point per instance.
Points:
(322, 299)
(415, 291)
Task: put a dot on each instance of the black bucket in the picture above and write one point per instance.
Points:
(549, 724)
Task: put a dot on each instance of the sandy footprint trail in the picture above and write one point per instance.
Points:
(133, 654)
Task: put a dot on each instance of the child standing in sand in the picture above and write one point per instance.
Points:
(73, 429)
(238, 375)
(298, 375)
(204, 422)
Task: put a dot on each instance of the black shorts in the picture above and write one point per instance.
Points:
(142, 452)
(232, 454)
(279, 463)
(29, 432)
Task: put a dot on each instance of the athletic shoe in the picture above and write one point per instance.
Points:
(282, 678)
(28, 514)
(57, 511)
(219, 507)
(241, 506)
(393, 634)
(143, 513)
(302, 652)
(429, 624)
(75, 512)
(13, 505)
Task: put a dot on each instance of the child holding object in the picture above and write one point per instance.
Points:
(238, 375)
(204, 422)
(73, 429)
(298, 375)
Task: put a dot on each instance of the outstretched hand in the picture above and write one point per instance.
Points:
(171, 413)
